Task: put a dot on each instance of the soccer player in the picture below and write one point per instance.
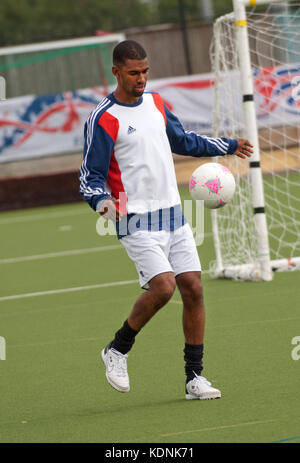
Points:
(129, 140)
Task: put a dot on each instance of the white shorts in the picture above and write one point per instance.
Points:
(162, 251)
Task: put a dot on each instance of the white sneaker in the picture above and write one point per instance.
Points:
(116, 369)
(200, 388)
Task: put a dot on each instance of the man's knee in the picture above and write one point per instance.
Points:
(191, 289)
(164, 286)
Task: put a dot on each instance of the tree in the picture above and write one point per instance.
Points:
(40, 20)
(26, 21)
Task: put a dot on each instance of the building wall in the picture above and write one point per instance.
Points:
(165, 49)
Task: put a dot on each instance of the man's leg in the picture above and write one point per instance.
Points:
(193, 320)
(160, 292)
(193, 316)
(161, 289)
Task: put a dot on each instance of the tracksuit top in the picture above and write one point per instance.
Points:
(128, 149)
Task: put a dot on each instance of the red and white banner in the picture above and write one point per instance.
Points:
(276, 90)
(34, 126)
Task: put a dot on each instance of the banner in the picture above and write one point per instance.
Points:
(276, 90)
(35, 126)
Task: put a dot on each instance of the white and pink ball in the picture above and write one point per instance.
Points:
(212, 183)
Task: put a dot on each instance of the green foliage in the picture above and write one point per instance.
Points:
(28, 21)
(167, 11)
(222, 7)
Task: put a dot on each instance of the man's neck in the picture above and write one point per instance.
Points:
(125, 98)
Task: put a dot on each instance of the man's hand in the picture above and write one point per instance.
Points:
(244, 149)
(109, 209)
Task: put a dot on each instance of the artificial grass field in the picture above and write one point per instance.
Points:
(53, 385)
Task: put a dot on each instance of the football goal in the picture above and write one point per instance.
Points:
(255, 56)
(58, 66)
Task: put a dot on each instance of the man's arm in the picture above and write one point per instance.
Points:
(98, 148)
(192, 144)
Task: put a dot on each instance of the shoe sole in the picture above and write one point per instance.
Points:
(203, 397)
(115, 386)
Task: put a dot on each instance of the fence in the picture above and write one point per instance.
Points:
(165, 49)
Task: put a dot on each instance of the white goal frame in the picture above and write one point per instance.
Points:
(263, 268)
(20, 50)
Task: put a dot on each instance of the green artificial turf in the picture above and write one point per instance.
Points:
(53, 385)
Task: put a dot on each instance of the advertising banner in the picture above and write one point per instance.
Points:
(35, 126)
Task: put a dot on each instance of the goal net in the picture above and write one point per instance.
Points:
(51, 88)
(273, 32)
(58, 66)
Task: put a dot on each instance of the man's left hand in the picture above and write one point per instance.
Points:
(244, 149)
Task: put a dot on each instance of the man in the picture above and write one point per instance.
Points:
(129, 140)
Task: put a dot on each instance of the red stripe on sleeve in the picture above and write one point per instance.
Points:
(116, 185)
(158, 101)
(110, 124)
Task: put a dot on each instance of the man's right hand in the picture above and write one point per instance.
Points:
(109, 209)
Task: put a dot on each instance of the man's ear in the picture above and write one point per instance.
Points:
(115, 71)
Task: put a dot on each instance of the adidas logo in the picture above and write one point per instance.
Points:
(130, 130)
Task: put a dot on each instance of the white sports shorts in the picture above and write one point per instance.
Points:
(155, 252)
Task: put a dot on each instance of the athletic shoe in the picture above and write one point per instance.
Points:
(116, 369)
(200, 388)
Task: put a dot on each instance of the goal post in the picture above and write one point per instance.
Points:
(256, 61)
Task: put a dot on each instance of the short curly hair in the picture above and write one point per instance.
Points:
(128, 49)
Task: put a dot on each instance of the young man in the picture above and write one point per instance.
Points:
(129, 140)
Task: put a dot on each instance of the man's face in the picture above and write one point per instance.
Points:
(132, 77)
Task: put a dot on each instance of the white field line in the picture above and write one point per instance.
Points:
(67, 290)
(216, 428)
(73, 252)
(71, 290)
(49, 215)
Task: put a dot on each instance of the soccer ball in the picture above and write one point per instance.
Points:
(213, 183)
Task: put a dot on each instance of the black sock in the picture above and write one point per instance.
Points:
(193, 355)
(124, 339)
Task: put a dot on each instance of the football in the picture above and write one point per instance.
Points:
(212, 183)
